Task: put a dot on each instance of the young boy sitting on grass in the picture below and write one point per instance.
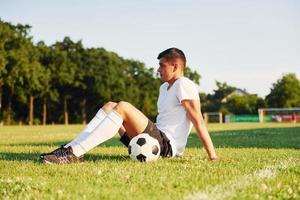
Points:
(178, 110)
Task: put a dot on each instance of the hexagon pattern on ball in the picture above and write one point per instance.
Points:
(144, 148)
(155, 150)
(141, 158)
(141, 141)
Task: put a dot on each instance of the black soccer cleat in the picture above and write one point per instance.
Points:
(61, 155)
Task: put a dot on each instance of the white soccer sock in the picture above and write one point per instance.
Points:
(89, 128)
(104, 131)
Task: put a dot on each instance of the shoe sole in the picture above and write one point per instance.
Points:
(47, 162)
(52, 163)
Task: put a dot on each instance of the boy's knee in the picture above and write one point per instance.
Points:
(122, 106)
(108, 106)
(111, 104)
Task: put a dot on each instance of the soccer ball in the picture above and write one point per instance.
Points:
(144, 148)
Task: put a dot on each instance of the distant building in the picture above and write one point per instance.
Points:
(237, 92)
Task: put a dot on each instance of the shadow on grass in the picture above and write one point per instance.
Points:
(35, 157)
(275, 138)
(114, 142)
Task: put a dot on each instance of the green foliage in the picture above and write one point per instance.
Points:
(248, 104)
(67, 75)
(213, 102)
(47, 59)
(193, 75)
(285, 93)
(224, 100)
(223, 89)
(6, 36)
(21, 68)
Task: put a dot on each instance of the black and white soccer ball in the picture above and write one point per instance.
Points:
(144, 148)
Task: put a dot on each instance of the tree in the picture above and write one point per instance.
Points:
(285, 92)
(223, 90)
(66, 76)
(143, 87)
(5, 35)
(213, 101)
(34, 76)
(248, 104)
(18, 58)
(102, 80)
(47, 59)
(193, 75)
(36, 79)
(67, 73)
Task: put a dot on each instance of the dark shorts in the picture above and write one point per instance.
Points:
(152, 130)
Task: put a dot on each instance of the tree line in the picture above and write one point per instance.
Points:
(67, 83)
(284, 93)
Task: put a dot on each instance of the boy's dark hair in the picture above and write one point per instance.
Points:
(171, 54)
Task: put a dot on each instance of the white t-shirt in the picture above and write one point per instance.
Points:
(172, 118)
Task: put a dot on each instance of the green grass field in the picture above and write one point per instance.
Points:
(258, 161)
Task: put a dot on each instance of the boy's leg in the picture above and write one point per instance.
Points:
(101, 114)
(103, 132)
(134, 121)
(89, 128)
(126, 137)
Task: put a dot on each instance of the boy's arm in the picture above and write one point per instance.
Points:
(192, 108)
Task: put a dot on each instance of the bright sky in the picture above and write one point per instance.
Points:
(248, 44)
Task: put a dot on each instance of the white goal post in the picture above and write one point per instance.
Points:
(213, 117)
(279, 115)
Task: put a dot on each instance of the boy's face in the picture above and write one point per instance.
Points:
(166, 70)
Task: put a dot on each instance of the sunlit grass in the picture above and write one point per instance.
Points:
(108, 172)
